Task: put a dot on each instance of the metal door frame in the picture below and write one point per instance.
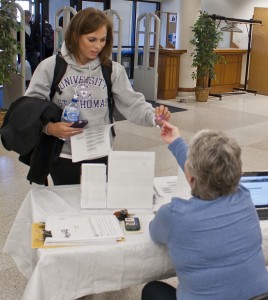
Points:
(114, 15)
(66, 11)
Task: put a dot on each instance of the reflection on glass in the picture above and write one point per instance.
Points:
(97, 5)
(168, 27)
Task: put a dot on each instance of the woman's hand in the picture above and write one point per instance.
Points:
(62, 130)
(169, 133)
(161, 114)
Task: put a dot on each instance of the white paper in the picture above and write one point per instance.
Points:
(171, 186)
(130, 180)
(81, 229)
(93, 186)
(91, 143)
(166, 186)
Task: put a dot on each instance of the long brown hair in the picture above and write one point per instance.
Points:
(87, 21)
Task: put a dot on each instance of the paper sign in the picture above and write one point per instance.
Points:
(130, 180)
(93, 186)
(91, 143)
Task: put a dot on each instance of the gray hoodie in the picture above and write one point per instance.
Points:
(88, 84)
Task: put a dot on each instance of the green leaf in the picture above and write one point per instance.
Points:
(8, 41)
(205, 41)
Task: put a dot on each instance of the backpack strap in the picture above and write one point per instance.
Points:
(59, 71)
(107, 72)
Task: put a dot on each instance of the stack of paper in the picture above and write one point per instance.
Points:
(82, 229)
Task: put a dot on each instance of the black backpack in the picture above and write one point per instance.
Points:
(59, 71)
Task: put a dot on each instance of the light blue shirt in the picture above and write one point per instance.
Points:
(215, 246)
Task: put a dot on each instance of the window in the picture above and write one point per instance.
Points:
(130, 11)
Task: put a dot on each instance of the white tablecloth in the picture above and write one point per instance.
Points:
(72, 272)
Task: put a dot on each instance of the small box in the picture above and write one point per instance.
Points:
(132, 224)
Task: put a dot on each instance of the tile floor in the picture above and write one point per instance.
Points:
(244, 117)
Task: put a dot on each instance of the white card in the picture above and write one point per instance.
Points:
(130, 180)
(93, 186)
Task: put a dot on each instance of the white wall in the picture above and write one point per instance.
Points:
(170, 6)
(239, 9)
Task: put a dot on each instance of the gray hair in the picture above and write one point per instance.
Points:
(215, 163)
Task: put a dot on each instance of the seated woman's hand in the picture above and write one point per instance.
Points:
(169, 133)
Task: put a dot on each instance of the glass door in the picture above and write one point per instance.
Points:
(95, 4)
(99, 4)
(130, 11)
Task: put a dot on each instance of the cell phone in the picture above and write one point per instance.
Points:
(80, 124)
(132, 224)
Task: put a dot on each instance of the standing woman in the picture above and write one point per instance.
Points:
(88, 45)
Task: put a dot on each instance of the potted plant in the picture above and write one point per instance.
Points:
(9, 46)
(205, 40)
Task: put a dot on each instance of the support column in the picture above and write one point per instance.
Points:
(188, 13)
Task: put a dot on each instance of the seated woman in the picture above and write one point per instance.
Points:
(214, 238)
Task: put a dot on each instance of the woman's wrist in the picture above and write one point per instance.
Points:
(45, 129)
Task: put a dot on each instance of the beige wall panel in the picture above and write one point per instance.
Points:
(258, 70)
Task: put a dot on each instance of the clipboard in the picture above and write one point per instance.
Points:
(38, 236)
